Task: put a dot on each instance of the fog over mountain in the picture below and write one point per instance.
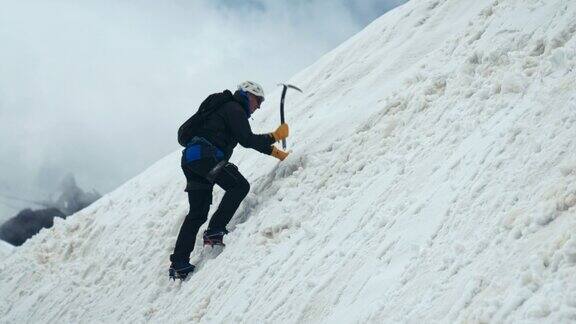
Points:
(28, 222)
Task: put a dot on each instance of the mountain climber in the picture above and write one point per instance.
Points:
(205, 163)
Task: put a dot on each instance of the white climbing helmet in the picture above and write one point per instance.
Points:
(252, 87)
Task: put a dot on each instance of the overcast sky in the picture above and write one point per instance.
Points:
(98, 88)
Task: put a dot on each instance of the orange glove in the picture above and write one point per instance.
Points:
(279, 154)
(281, 132)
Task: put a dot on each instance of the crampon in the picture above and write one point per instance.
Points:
(180, 270)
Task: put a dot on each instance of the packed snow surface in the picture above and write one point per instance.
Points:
(5, 249)
(432, 179)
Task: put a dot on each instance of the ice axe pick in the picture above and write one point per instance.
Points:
(282, 118)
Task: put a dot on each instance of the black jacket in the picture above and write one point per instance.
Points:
(228, 126)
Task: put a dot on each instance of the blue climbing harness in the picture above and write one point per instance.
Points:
(199, 148)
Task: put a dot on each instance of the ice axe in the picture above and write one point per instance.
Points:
(282, 119)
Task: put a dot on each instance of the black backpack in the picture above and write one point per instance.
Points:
(191, 127)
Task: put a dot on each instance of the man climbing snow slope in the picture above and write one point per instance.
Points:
(210, 137)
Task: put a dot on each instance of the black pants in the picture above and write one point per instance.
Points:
(200, 198)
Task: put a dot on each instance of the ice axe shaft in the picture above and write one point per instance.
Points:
(282, 118)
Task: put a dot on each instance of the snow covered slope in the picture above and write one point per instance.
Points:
(433, 179)
(5, 249)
